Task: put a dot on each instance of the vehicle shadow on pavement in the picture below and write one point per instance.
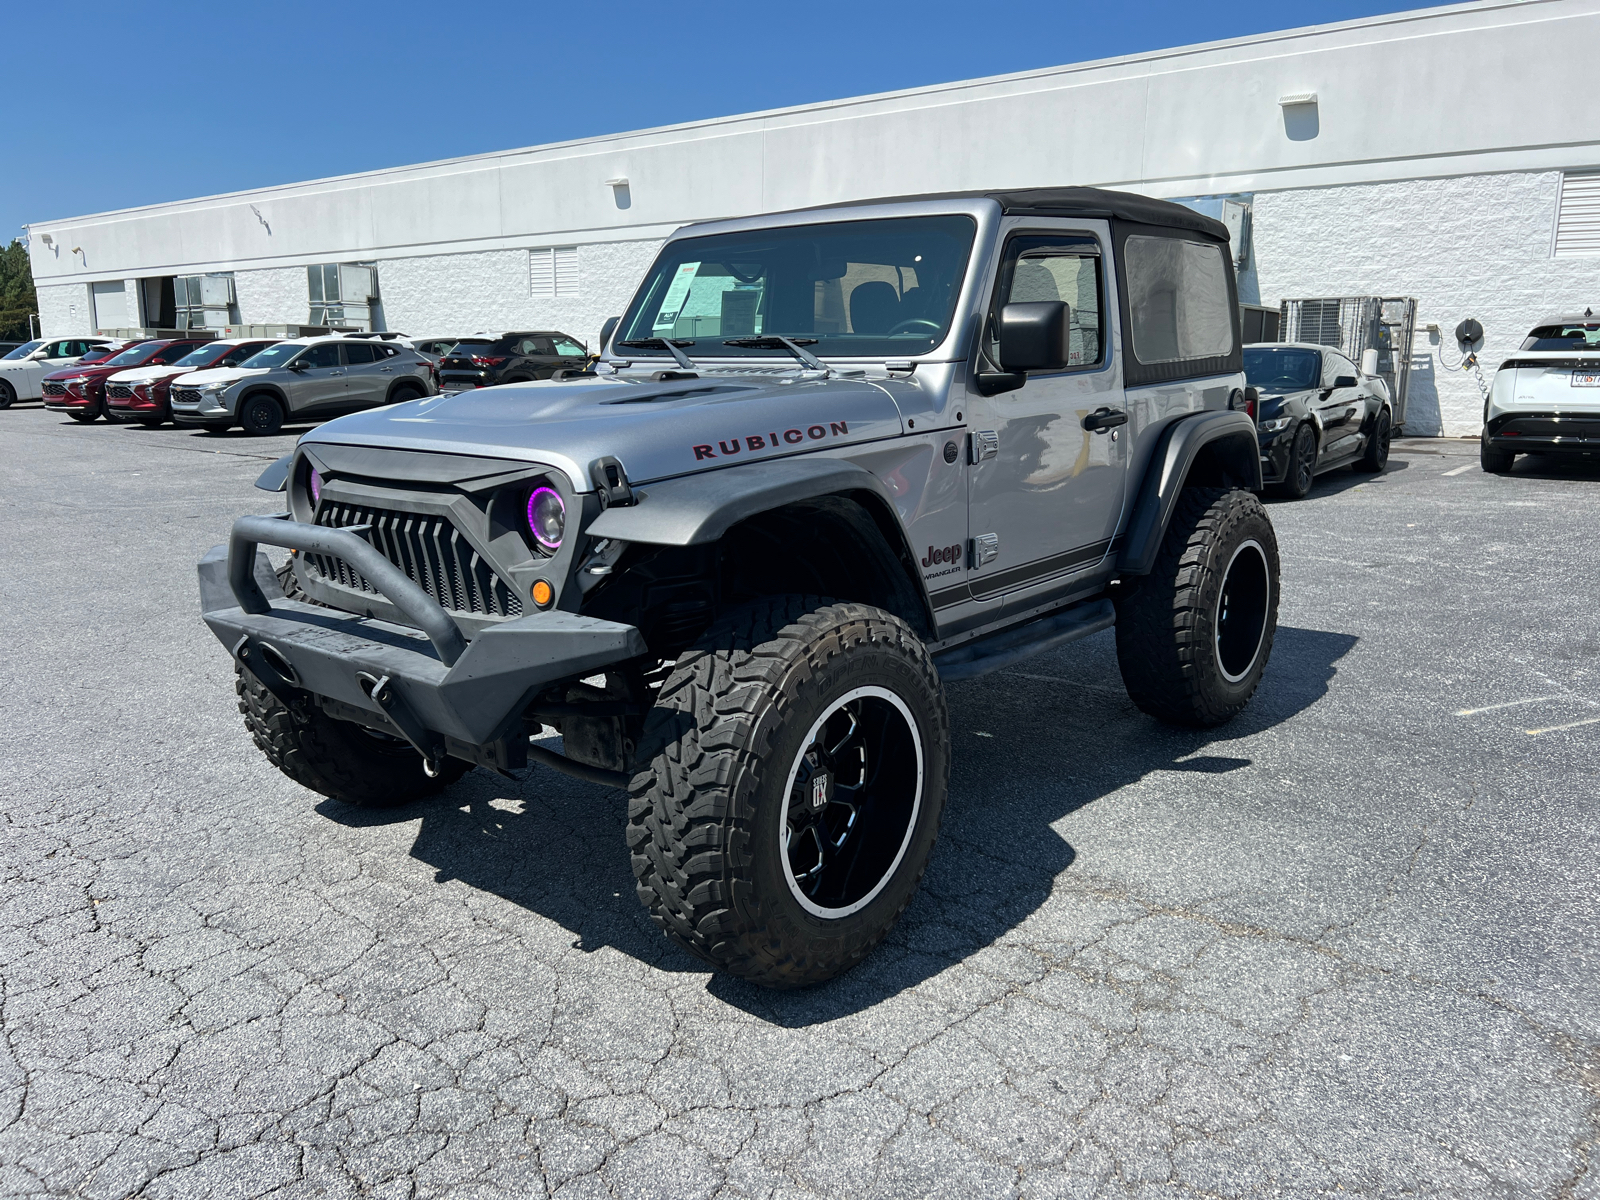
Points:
(1555, 466)
(1031, 746)
(1340, 479)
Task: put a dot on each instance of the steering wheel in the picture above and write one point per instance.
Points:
(907, 325)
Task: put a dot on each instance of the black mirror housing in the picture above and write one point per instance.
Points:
(1035, 335)
(1344, 381)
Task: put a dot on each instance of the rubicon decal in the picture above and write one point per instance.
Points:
(752, 443)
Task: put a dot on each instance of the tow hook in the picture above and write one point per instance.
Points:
(382, 690)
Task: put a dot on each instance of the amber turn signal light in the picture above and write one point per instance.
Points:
(543, 593)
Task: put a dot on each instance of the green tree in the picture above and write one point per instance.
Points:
(17, 297)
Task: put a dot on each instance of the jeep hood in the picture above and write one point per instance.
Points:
(657, 429)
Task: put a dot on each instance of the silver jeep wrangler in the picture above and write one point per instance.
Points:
(831, 461)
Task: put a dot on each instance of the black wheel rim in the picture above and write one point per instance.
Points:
(851, 807)
(1242, 605)
(260, 414)
(1305, 457)
(1385, 432)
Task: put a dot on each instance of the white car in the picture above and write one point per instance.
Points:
(1546, 398)
(24, 367)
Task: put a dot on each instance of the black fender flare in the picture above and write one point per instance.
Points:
(276, 477)
(694, 510)
(1230, 445)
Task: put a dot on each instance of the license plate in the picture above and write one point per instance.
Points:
(1586, 379)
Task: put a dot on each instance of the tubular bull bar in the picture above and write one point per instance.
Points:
(429, 684)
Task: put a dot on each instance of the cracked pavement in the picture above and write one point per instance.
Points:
(1346, 944)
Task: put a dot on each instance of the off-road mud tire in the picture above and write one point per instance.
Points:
(1167, 624)
(715, 756)
(1495, 462)
(336, 758)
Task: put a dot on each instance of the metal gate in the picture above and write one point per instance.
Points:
(1355, 324)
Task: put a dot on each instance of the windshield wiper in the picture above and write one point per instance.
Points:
(776, 341)
(671, 347)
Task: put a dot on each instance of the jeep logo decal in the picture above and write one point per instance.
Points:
(942, 554)
(750, 443)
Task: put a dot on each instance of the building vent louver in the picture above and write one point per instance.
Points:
(553, 271)
(1578, 216)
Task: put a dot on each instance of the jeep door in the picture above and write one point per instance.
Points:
(1049, 459)
(319, 386)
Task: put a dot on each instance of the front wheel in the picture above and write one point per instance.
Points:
(1193, 637)
(85, 416)
(8, 394)
(339, 759)
(794, 771)
(1302, 465)
(260, 416)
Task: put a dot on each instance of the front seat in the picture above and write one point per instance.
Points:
(874, 307)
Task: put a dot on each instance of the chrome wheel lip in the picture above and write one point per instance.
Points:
(805, 902)
(1266, 609)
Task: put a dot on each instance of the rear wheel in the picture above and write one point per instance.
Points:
(85, 416)
(1376, 455)
(1194, 635)
(155, 423)
(336, 758)
(260, 415)
(1496, 462)
(1302, 465)
(8, 394)
(406, 391)
(793, 777)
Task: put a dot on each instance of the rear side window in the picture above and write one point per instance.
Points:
(1178, 300)
(568, 348)
(358, 352)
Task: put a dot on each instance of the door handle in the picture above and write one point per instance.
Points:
(1102, 419)
(331, 374)
(387, 370)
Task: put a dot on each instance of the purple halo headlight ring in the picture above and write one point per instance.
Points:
(314, 482)
(547, 518)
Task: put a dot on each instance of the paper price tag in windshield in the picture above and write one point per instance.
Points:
(672, 302)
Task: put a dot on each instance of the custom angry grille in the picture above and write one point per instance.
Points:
(429, 549)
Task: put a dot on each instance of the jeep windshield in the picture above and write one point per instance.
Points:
(1281, 369)
(851, 289)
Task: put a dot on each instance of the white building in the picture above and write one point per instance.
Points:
(1449, 154)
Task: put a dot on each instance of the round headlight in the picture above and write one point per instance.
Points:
(547, 517)
(315, 481)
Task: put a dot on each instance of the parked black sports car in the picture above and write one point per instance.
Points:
(484, 360)
(1316, 412)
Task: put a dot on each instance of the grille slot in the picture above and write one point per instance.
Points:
(186, 396)
(119, 391)
(429, 549)
(55, 389)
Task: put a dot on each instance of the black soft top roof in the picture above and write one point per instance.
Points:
(1073, 202)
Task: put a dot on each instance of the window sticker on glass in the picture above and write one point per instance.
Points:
(677, 292)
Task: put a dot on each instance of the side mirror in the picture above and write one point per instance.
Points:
(1035, 336)
(606, 331)
(1346, 381)
(296, 365)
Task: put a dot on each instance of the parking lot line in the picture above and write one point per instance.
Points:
(1459, 470)
(1568, 725)
(1472, 712)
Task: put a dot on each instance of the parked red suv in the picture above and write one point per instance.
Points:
(80, 390)
(143, 394)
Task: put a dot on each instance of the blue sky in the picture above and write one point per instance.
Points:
(114, 104)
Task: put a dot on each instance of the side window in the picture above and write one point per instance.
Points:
(568, 348)
(384, 350)
(535, 345)
(324, 355)
(1335, 365)
(62, 349)
(357, 353)
(1178, 299)
(171, 354)
(1057, 267)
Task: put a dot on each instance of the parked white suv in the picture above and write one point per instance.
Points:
(24, 367)
(1546, 398)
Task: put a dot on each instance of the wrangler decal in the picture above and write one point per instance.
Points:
(752, 442)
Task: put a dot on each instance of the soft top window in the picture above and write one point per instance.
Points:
(1178, 299)
(1564, 337)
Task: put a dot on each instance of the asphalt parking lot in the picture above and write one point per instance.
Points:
(1348, 943)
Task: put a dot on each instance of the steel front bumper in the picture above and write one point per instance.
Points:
(427, 684)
